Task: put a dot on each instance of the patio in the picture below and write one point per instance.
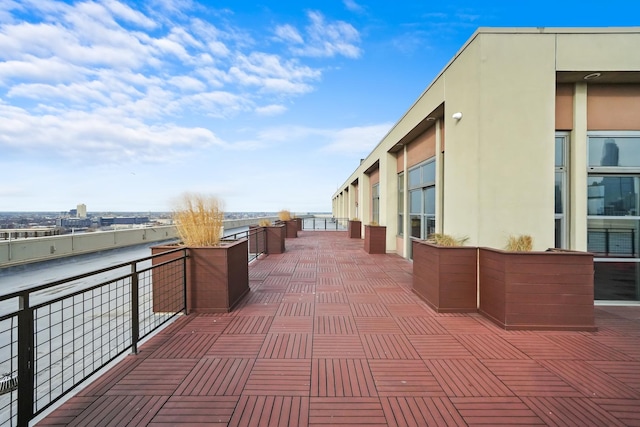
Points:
(331, 335)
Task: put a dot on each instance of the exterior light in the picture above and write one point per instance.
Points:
(592, 76)
(457, 116)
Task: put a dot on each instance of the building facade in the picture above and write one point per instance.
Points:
(530, 131)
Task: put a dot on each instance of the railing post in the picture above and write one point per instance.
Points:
(184, 280)
(135, 309)
(25, 362)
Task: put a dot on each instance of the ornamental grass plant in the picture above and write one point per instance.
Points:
(264, 222)
(442, 239)
(199, 219)
(284, 215)
(523, 243)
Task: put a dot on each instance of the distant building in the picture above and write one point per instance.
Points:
(74, 222)
(82, 210)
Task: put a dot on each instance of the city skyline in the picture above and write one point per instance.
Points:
(126, 105)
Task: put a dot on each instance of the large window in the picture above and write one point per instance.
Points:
(422, 199)
(613, 209)
(375, 203)
(561, 190)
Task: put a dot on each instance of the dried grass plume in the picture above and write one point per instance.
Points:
(442, 239)
(284, 215)
(523, 243)
(199, 219)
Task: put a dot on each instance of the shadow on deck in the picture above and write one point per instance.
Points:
(331, 335)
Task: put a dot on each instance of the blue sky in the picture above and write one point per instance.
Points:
(125, 105)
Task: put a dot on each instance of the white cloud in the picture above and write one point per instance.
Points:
(357, 140)
(271, 110)
(187, 83)
(353, 6)
(288, 33)
(323, 39)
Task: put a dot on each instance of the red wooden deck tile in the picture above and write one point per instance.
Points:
(462, 324)
(630, 347)
(341, 411)
(537, 347)
(589, 380)
(420, 411)
(115, 411)
(493, 411)
(299, 298)
(490, 347)
(625, 410)
(626, 372)
(529, 378)
(568, 411)
(286, 346)
(300, 275)
(185, 346)
(295, 309)
(292, 324)
(333, 309)
(370, 298)
(301, 288)
(585, 348)
(237, 346)
(328, 346)
(369, 310)
(341, 377)
(335, 297)
(216, 377)
(357, 287)
(273, 377)
(104, 382)
(404, 378)
(271, 411)
(158, 377)
(249, 325)
(208, 323)
(387, 346)
(256, 309)
(377, 325)
(260, 297)
(466, 378)
(66, 414)
(420, 326)
(392, 297)
(412, 310)
(339, 325)
(329, 281)
(215, 411)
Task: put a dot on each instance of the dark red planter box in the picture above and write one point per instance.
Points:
(217, 276)
(446, 278)
(299, 223)
(355, 229)
(537, 290)
(375, 239)
(292, 228)
(167, 280)
(275, 239)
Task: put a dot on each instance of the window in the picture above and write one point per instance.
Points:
(560, 190)
(375, 203)
(613, 213)
(401, 204)
(422, 199)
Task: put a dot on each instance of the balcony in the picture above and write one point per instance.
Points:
(330, 335)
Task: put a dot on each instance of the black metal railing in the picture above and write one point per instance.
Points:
(608, 242)
(55, 336)
(325, 223)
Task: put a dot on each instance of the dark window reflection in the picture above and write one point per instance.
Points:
(618, 281)
(612, 195)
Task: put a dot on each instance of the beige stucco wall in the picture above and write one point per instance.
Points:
(496, 176)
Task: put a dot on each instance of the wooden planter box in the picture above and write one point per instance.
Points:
(446, 278)
(537, 290)
(299, 223)
(355, 229)
(275, 239)
(375, 239)
(217, 276)
(292, 228)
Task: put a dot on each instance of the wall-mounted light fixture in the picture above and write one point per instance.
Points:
(457, 116)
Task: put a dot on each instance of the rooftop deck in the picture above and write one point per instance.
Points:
(331, 335)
